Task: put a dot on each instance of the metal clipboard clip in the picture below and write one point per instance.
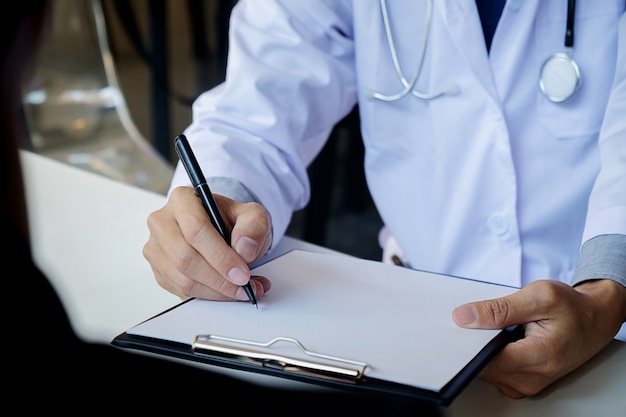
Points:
(350, 371)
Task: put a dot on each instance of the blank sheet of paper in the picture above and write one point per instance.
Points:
(397, 320)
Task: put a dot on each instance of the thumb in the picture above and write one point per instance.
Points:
(497, 313)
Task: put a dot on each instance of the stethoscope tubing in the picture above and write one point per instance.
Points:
(560, 77)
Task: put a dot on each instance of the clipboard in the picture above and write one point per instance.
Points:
(341, 322)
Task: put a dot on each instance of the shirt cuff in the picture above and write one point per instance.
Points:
(232, 188)
(603, 257)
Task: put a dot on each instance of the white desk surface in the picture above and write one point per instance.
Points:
(88, 232)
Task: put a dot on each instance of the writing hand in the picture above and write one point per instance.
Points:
(564, 328)
(188, 256)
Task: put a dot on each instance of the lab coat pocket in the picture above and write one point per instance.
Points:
(594, 51)
(570, 119)
(581, 114)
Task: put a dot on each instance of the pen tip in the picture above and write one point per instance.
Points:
(256, 306)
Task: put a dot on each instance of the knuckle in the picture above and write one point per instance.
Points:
(146, 251)
(550, 292)
(183, 261)
(259, 209)
(258, 215)
(186, 287)
(498, 310)
(193, 231)
(226, 287)
(152, 220)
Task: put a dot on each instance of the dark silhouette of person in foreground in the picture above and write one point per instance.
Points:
(48, 367)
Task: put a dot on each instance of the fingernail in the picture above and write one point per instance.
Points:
(247, 248)
(240, 294)
(238, 276)
(465, 314)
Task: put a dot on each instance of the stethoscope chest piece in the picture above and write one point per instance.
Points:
(559, 78)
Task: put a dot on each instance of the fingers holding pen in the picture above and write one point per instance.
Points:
(251, 236)
(251, 226)
(177, 230)
(190, 258)
(218, 267)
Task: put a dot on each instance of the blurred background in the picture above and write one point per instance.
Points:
(114, 85)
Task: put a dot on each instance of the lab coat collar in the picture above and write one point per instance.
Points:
(461, 18)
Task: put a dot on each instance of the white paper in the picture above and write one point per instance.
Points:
(397, 320)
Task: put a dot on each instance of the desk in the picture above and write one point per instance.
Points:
(88, 232)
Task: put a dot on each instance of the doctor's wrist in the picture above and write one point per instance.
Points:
(609, 299)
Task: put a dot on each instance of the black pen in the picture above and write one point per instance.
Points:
(203, 191)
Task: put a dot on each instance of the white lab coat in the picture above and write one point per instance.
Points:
(495, 182)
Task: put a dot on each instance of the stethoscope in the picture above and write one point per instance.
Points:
(559, 78)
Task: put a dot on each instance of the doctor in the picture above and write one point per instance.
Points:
(495, 149)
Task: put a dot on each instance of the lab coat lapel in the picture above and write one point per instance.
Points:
(463, 25)
(515, 34)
